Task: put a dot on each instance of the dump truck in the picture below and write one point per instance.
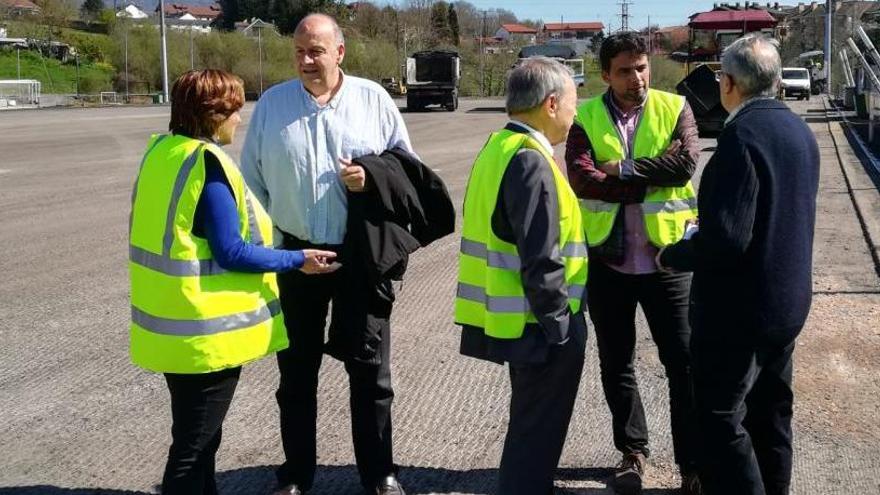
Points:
(432, 78)
(700, 88)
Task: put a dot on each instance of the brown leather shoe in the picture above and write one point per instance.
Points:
(389, 486)
(628, 474)
(290, 490)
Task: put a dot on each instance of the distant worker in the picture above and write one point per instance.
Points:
(297, 158)
(630, 158)
(204, 300)
(752, 263)
(522, 270)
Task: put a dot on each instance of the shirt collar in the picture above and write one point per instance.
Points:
(536, 134)
(743, 105)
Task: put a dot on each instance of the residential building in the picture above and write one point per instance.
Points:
(18, 8)
(517, 33)
(572, 30)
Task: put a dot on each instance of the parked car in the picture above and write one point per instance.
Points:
(795, 82)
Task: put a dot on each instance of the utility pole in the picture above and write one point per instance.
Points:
(650, 40)
(829, 11)
(164, 51)
(127, 94)
(18, 61)
(192, 52)
(260, 55)
(624, 15)
(482, 35)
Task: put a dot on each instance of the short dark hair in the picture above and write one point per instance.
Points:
(201, 100)
(616, 44)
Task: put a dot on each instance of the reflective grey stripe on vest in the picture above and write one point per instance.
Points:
(175, 268)
(597, 206)
(256, 235)
(212, 326)
(670, 206)
(507, 261)
(179, 182)
(507, 304)
(163, 263)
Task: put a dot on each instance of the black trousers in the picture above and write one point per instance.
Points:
(198, 406)
(304, 302)
(541, 403)
(744, 405)
(664, 297)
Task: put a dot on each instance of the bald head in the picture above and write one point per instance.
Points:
(316, 24)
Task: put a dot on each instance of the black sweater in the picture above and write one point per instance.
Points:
(752, 257)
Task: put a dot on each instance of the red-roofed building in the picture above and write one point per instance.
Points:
(517, 33)
(15, 8)
(572, 30)
(183, 11)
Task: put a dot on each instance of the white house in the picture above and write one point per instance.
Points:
(132, 12)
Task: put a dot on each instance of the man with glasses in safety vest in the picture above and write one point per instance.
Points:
(522, 270)
(630, 156)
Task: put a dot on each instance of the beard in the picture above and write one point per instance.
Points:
(636, 96)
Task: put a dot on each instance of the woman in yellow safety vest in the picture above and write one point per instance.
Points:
(204, 299)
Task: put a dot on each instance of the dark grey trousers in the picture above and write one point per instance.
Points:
(541, 403)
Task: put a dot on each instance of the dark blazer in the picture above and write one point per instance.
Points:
(753, 255)
(405, 207)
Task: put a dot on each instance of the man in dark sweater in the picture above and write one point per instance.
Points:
(752, 287)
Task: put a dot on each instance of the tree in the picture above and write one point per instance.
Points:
(55, 14)
(286, 14)
(230, 14)
(440, 32)
(91, 9)
(452, 19)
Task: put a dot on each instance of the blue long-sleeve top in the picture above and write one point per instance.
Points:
(216, 219)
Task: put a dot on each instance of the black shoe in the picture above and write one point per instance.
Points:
(628, 474)
(290, 490)
(690, 484)
(389, 486)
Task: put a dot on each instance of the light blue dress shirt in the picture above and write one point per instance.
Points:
(290, 158)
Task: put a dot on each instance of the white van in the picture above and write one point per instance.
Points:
(795, 81)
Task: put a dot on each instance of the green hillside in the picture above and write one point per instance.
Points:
(55, 76)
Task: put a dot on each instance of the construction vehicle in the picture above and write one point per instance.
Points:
(813, 61)
(432, 78)
(700, 88)
(394, 86)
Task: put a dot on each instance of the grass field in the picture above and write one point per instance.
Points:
(56, 77)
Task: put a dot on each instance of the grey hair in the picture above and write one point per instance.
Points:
(754, 64)
(337, 31)
(532, 81)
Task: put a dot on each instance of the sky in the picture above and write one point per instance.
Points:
(661, 12)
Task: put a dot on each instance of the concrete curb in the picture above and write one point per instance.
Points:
(862, 190)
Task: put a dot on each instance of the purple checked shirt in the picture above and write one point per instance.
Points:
(638, 252)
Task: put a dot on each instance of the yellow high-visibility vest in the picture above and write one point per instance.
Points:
(665, 209)
(490, 290)
(188, 314)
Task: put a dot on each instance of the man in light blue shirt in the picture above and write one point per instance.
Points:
(297, 161)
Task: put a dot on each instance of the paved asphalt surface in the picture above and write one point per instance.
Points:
(77, 418)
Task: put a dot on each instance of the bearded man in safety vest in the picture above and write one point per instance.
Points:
(630, 157)
(522, 270)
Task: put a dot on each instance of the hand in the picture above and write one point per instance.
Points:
(611, 168)
(353, 176)
(318, 261)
